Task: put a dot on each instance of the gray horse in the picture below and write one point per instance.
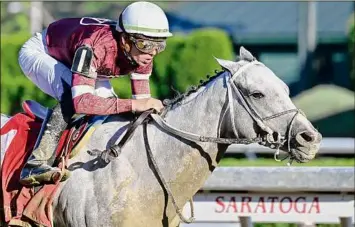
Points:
(244, 102)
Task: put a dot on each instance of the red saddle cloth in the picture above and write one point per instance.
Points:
(25, 205)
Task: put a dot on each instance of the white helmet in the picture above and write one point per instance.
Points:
(144, 18)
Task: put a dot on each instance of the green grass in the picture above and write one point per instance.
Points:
(323, 101)
(349, 162)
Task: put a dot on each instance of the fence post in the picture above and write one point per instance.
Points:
(245, 221)
(346, 222)
(36, 17)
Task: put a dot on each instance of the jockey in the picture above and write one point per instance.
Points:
(73, 61)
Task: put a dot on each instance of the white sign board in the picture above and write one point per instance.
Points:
(286, 207)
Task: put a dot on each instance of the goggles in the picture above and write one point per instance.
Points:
(147, 46)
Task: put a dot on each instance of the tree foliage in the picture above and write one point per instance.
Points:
(195, 59)
(15, 86)
(14, 22)
(163, 65)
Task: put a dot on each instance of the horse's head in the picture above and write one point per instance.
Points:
(263, 103)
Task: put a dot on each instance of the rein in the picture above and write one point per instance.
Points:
(268, 140)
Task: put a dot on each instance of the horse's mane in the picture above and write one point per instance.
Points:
(190, 90)
(169, 103)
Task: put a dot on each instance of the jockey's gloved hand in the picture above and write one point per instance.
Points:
(141, 105)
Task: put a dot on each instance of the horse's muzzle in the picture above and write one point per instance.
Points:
(305, 145)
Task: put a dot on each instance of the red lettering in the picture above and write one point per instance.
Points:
(315, 204)
(273, 199)
(261, 204)
(283, 201)
(303, 209)
(232, 204)
(220, 202)
(246, 204)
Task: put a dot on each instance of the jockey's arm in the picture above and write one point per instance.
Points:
(140, 82)
(85, 100)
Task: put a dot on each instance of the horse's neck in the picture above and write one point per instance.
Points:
(200, 114)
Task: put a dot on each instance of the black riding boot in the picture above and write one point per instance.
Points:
(38, 169)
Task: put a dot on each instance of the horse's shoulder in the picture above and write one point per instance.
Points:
(110, 131)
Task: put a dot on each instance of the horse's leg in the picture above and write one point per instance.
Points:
(3, 120)
(4, 144)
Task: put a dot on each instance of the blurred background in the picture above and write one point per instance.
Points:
(309, 45)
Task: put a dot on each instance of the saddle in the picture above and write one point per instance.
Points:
(80, 126)
(26, 206)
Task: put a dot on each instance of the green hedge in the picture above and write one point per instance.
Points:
(162, 73)
(188, 59)
(195, 59)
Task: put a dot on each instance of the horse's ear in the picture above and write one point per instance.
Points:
(231, 66)
(245, 54)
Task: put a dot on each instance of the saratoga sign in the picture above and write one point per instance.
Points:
(273, 207)
(267, 204)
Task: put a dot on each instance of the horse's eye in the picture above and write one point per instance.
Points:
(257, 95)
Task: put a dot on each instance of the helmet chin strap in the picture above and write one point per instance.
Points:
(129, 58)
(128, 55)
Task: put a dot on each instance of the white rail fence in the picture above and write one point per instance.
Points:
(234, 197)
(329, 145)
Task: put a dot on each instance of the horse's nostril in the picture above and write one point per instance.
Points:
(307, 136)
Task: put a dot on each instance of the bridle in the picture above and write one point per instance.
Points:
(267, 140)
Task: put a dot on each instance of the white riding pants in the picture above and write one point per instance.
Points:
(47, 73)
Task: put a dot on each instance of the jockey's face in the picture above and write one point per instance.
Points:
(142, 58)
(144, 50)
